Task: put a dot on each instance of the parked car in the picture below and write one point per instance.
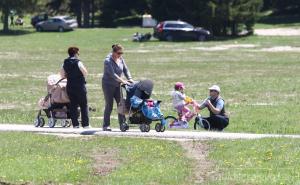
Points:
(39, 18)
(179, 30)
(59, 23)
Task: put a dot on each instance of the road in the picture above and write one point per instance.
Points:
(168, 134)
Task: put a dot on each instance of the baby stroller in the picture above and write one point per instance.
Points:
(140, 108)
(55, 104)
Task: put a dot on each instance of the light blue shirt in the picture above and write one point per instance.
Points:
(219, 105)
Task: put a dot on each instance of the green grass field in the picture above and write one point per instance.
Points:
(260, 86)
(49, 159)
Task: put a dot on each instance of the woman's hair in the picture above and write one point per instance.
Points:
(117, 47)
(72, 51)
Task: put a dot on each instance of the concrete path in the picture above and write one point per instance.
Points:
(168, 134)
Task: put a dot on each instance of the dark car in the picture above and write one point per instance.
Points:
(38, 18)
(179, 30)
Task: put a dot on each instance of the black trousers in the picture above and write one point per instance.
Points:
(111, 93)
(78, 97)
(217, 122)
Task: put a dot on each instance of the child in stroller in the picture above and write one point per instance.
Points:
(141, 110)
(55, 104)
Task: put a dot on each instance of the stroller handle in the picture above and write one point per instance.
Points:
(59, 81)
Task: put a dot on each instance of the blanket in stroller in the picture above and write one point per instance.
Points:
(149, 108)
(57, 93)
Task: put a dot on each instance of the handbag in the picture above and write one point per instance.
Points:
(122, 104)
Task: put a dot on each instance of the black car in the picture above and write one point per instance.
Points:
(179, 30)
(39, 18)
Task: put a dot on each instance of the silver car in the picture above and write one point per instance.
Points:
(59, 23)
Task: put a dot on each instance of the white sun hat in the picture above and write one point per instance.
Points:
(215, 88)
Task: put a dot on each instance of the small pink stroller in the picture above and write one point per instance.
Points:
(55, 104)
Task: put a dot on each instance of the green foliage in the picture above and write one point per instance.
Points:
(20, 6)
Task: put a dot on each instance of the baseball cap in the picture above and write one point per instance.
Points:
(215, 88)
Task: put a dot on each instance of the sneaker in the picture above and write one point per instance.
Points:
(106, 129)
(87, 127)
(75, 126)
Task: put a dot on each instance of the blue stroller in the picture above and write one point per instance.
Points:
(142, 110)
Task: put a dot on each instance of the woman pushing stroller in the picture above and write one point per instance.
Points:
(114, 68)
(75, 72)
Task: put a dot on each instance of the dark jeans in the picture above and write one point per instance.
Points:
(78, 97)
(110, 93)
(217, 122)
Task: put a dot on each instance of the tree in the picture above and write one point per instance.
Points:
(111, 10)
(19, 5)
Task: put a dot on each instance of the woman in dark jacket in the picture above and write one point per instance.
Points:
(114, 68)
(75, 72)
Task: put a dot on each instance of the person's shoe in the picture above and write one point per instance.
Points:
(75, 126)
(106, 129)
(87, 127)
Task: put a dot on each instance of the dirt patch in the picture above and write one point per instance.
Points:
(224, 47)
(9, 55)
(7, 183)
(8, 106)
(281, 49)
(278, 32)
(106, 161)
(203, 168)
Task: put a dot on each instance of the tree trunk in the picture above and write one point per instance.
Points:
(5, 20)
(79, 13)
(93, 12)
(86, 13)
(234, 31)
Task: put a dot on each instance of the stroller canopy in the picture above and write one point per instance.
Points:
(146, 86)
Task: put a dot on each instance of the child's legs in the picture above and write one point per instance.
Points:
(186, 114)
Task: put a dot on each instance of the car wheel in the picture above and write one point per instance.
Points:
(169, 38)
(39, 29)
(201, 38)
(61, 29)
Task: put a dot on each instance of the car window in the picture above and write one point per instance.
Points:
(186, 26)
(171, 25)
(50, 20)
(57, 20)
(68, 18)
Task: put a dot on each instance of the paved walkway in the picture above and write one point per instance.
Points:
(168, 134)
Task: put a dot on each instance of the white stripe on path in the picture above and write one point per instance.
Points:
(168, 134)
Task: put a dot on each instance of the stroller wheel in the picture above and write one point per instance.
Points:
(158, 127)
(163, 128)
(39, 122)
(64, 123)
(68, 123)
(124, 127)
(42, 122)
(144, 128)
(51, 122)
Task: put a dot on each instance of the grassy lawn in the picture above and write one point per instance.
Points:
(43, 159)
(263, 162)
(40, 159)
(261, 88)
